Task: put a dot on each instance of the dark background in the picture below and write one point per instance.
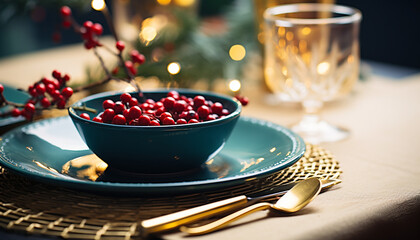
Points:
(390, 31)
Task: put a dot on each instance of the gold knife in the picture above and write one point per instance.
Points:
(177, 219)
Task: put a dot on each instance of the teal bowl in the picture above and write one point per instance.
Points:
(155, 149)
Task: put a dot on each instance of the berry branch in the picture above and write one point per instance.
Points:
(54, 93)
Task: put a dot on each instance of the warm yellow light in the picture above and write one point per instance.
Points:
(174, 68)
(237, 52)
(306, 31)
(148, 34)
(98, 5)
(234, 85)
(323, 68)
(185, 3)
(289, 36)
(164, 2)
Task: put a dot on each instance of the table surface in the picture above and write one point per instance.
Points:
(380, 193)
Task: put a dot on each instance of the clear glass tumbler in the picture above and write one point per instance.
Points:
(312, 56)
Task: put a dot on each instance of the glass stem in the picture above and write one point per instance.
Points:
(312, 109)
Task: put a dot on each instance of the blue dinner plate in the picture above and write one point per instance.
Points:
(52, 151)
(13, 95)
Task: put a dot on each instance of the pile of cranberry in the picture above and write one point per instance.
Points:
(170, 110)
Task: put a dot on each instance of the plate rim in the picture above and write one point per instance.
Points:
(297, 151)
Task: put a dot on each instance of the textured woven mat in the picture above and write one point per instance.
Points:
(36, 208)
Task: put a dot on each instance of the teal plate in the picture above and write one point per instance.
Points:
(52, 151)
(13, 95)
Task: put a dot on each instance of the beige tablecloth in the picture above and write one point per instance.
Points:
(380, 193)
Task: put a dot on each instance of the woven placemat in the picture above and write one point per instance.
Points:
(31, 207)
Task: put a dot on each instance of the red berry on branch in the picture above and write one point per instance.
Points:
(129, 65)
(56, 74)
(67, 92)
(137, 57)
(16, 112)
(120, 45)
(40, 89)
(1, 88)
(97, 29)
(115, 70)
(29, 107)
(66, 24)
(88, 25)
(45, 103)
(66, 77)
(61, 104)
(65, 11)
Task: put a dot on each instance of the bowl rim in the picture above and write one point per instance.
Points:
(226, 118)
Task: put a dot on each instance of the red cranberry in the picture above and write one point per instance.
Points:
(125, 97)
(193, 121)
(126, 113)
(85, 116)
(225, 112)
(159, 111)
(130, 66)
(119, 119)
(133, 102)
(108, 115)
(66, 77)
(168, 121)
(203, 112)
(212, 117)
(173, 94)
(181, 121)
(137, 57)
(119, 107)
(97, 119)
(50, 88)
(199, 101)
(169, 103)
(134, 112)
(165, 115)
(108, 104)
(158, 105)
(180, 106)
(154, 123)
(88, 25)
(217, 108)
(144, 120)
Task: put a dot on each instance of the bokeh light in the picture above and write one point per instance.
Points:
(174, 68)
(234, 85)
(98, 5)
(237, 52)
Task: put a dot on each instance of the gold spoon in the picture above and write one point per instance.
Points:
(294, 200)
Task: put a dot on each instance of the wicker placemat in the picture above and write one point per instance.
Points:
(31, 207)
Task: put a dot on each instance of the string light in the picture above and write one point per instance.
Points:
(234, 85)
(98, 5)
(164, 2)
(174, 68)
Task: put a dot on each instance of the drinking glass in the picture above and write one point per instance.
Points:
(312, 56)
